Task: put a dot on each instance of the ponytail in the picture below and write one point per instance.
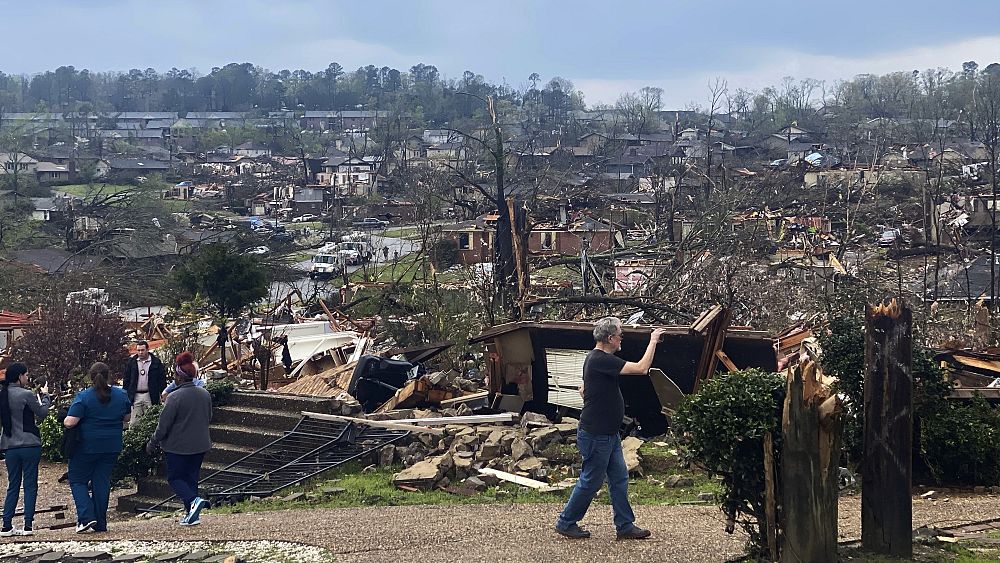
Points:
(12, 375)
(100, 375)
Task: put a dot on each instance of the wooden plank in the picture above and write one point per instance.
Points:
(523, 481)
(375, 423)
(470, 419)
(726, 361)
(970, 392)
(465, 399)
(330, 317)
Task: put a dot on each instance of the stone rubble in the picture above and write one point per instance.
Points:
(533, 447)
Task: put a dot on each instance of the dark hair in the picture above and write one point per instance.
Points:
(12, 375)
(185, 364)
(142, 343)
(100, 375)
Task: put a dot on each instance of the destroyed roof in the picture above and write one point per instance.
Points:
(960, 283)
(10, 320)
(54, 260)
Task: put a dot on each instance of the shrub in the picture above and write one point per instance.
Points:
(51, 431)
(444, 253)
(722, 430)
(134, 462)
(220, 391)
(960, 443)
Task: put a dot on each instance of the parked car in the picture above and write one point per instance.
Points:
(282, 237)
(305, 218)
(257, 250)
(890, 237)
(370, 223)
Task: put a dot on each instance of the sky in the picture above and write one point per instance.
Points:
(604, 47)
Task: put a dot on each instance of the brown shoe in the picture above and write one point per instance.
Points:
(634, 533)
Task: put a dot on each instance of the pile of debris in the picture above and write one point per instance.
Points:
(472, 453)
(381, 385)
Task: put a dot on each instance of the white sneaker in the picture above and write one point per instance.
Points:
(87, 528)
(6, 533)
(24, 532)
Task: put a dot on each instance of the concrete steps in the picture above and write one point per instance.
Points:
(247, 422)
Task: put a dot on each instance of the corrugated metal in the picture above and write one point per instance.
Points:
(565, 369)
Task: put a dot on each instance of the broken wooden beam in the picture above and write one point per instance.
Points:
(519, 480)
(470, 419)
(375, 423)
(465, 399)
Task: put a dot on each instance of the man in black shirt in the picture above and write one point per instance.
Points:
(597, 437)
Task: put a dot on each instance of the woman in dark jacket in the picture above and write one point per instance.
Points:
(22, 444)
(101, 411)
(182, 433)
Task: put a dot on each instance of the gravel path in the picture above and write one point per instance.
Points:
(488, 532)
(501, 532)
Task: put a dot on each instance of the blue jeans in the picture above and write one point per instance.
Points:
(602, 459)
(90, 482)
(182, 474)
(22, 464)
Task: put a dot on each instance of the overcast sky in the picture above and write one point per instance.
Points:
(604, 47)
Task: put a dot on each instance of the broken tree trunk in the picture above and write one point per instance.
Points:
(810, 456)
(886, 470)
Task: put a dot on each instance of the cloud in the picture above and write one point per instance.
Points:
(776, 64)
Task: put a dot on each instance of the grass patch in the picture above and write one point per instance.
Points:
(408, 269)
(407, 232)
(561, 272)
(83, 190)
(373, 487)
(930, 553)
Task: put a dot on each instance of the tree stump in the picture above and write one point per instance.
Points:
(886, 470)
(810, 457)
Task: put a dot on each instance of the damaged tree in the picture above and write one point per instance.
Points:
(810, 430)
(230, 282)
(886, 471)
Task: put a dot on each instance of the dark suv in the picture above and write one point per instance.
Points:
(370, 223)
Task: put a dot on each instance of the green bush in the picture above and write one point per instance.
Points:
(220, 391)
(722, 430)
(51, 431)
(134, 462)
(960, 443)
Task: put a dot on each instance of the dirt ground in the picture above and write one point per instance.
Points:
(496, 532)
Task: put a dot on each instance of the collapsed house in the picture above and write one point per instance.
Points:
(538, 366)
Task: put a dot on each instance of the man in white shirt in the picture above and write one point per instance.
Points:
(144, 380)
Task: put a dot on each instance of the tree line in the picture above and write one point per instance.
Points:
(247, 87)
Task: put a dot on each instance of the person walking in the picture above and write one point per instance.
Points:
(182, 432)
(597, 437)
(144, 379)
(101, 411)
(20, 410)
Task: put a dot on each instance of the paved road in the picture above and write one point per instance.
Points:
(307, 285)
(503, 532)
